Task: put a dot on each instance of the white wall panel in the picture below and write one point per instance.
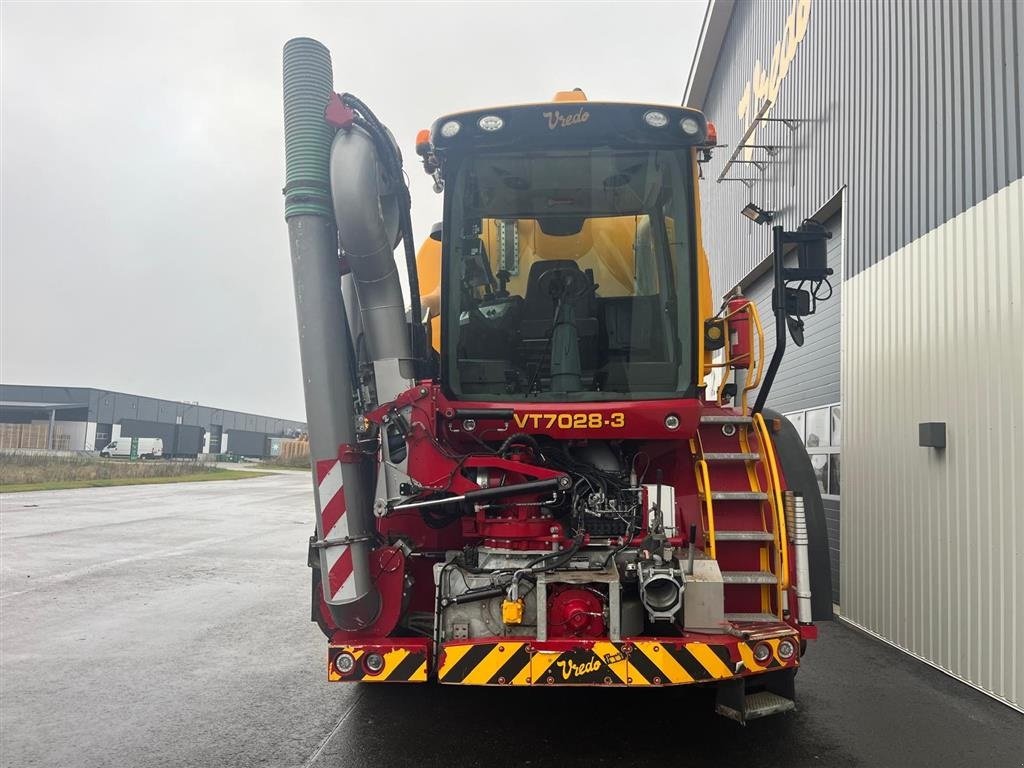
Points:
(933, 541)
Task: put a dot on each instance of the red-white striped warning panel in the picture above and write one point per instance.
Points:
(337, 560)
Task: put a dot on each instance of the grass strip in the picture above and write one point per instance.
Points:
(60, 485)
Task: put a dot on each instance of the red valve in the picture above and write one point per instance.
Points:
(337, 114)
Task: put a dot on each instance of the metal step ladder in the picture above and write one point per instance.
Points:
(728, 513)
(732, 456)
(743, 536)
(749, 577)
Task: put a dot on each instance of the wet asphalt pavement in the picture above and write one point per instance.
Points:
(168, 626)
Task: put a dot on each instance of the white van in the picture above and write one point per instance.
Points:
(149, 448)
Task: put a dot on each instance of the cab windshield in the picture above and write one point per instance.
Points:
(569, 275)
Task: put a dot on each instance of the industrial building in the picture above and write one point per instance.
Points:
(899, 127)
(85, 419)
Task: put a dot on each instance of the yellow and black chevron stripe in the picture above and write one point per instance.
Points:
(660, 663)
(635, 663)
(490, 663)
(401, 665)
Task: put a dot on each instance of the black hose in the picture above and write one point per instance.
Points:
(405, 223)
(517, 438)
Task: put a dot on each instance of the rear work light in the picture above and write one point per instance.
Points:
(762, 652)
(344, 663)
(374, 663)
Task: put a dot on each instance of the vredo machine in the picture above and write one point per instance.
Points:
(527, 479)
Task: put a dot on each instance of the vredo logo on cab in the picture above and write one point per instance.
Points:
(764, 83)
(557, 120)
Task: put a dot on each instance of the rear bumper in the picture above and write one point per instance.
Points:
(642, 662)
(636, 663)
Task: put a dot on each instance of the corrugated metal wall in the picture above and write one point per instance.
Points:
(915, 107)
(915, 113)
(934, 540)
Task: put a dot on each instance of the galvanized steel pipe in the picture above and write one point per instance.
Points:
(325, 346)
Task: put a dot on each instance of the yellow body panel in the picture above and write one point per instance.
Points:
(705, 304)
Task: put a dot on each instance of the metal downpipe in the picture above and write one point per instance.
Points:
(367, 216)
(328, 366)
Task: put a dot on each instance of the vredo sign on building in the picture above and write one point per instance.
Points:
(764, 83)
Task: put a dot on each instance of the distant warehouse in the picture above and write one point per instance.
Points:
(86, 419)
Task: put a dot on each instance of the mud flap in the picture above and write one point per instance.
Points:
(799, 474)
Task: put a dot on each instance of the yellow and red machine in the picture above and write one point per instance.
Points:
(525, 480)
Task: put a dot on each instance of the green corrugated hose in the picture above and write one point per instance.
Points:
(308, 84)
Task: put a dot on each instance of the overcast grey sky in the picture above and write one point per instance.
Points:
(142, 241)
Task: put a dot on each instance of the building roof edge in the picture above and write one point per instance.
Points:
(709, 46)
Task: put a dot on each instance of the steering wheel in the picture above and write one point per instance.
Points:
(563, 284)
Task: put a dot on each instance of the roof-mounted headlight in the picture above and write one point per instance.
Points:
(655, 119)
(490, 123)
(690, 126)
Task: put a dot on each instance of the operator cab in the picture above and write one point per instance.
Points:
(568, 252)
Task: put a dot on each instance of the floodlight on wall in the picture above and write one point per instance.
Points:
(757, 214)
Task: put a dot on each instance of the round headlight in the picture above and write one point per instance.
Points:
(672, 421)
(344, 663)
(374, 663)
(762, 652)
(450, 128)
(656, 119)
(490, 123)
(690, 126)
(786, 650)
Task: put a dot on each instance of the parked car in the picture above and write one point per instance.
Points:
(149, 448)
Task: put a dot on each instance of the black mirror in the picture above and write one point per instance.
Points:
(813, 254)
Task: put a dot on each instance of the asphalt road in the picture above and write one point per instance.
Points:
(167, 625)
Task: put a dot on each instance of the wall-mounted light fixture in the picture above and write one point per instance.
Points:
(757, 214)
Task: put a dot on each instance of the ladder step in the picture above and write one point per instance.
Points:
(763, 618)
(725, 419)
(731, 456)
(739, 496)
(760, 704)
(748, 577)
(744, 536)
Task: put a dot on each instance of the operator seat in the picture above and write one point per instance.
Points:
(539, 313)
